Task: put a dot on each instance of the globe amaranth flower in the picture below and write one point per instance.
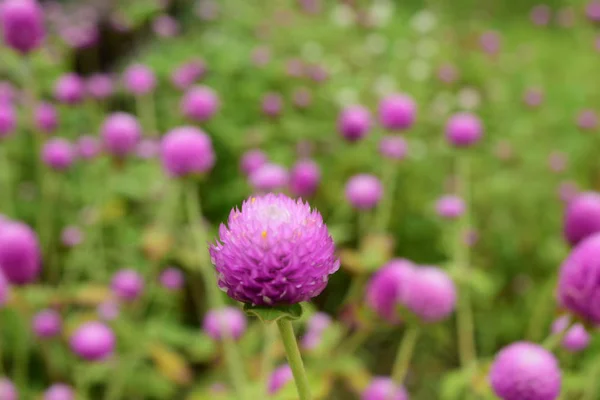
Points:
(93, 341)
(354, 123)
(397, 112)
(541, 14)
(463, 130)
(58, 154)
(450, 206)
(393, 147)
(200, 103)
(59, 391)
(120, 133)
(4, 289)
(525, 370)
(188, 73)
(253, 160)
(315, 328)
(578, 291)
(575, 339)
(139, 79)
(269, 177)
(582, 217)
(304, 178)
(280, 377)
(490, 42)
(20, 253)
(47, 324)
(587, 120)
(272, 104)
(46, 118)
(108, 310)
(172, 279)
(69, 89)
(364, 191)
(533, 97)
(387, 288)
(8, 120)
(186, 150)
(229, 320)
(165, 26)
(8, 391)
(100, 86)
(22, 24)
(274, 251)
(383, 388)
(430, 294)
(127, 284)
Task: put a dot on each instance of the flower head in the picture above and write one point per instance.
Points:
(88, 147)
(274, 251)
(172, 279)
(93, 341)
(58, 154)
(269, 177)
(397, 112)
(393, 147)
(253, 160)
(582, 217)
(279, 378)
(364, 191)
(576, 338)
(272, 105)
(100, 86)
(120, 133)
(186, 150)
(187, 74)
(228, 319)
(200, 103)
(69, 89)
(20, 253)
(431, 294)
(463, 130)
(47, 324)
(4, 289)
(22, 24)
(59, 391)
(387, 288)
(383, 388)
(46, 118)
(450, 206)
(8, 119)
(354, 123)
(139, 79)
(8, 390)
(304, 178)
(127, 284)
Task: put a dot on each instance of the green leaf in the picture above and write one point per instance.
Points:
(273, 314)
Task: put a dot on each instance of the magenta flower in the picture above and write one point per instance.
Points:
(186, 150)
(269, 177)
(280, 377)
(71, 236)
(302, 97)
(587, 120)
(576, 338)
(304, 178)
(8, 390)
(69, 89)
(108, 310)
(393, 147)
(525, 370)
(464, 130)
(147, 148)
(383, 388)
(139, 80)
(46, 118)
(447, 73)
(127, 284)
(490, 42)
(582, 217)
(533, 97)
(47, 324)
(93, 341)
(200, 103)
(354, 123)
(275, 251)
(22, 24)
(316, 326)
(165, 26)
(172, 279)
(59, 391)
(253, 160)
(364, 191)
(20, 253)
(541, 14)
(58, 154)
(386, 290)
(228, 319)
(397, 112)
(8, 120)
(100, 86)
(88, 147)
(450, 207)
(187, 74)
(261, 56)
(592, 10)
(272, 104)
(120, 133)
(431, 294)
(4, 289)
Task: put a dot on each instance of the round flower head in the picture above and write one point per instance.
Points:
(582, 217)
(69, 89)
(228, 319)
(127, 284)
(58, 154)
(304, 178)
(587, 120)
(20, 255)
(71, 236)
(139, 79)
(490, 42)
(269, 177)
(430, 294)
(8, 390)
(541, 14)
(463, 130)
(577, 290)
(253, 160)
(4, 289)
(186, 150)
(88, 147)
(59, 391)
(46, 118)
(383, 388)
(100, 86)
(525, 370)
(172, 279)
(275, 251)
(354, 123)
(120, 133)
(187, 74)
(450, 206)
(22, 24)
(592, 10)
(576, 338)
(364, 191)
(393, 147)
(315, 328)
(272, 104)
(533, 97)
(93, 341)
(47, 324)
(200, 104)
(8, 120)
(397, 112)
(387, 288)
(280, 377)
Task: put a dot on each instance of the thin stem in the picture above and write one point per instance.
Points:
(405, 352)
(294, 359)
(7, 201)
(147, 113)
(267, 353)
(384, 211)
(591, 388)
(21, 354)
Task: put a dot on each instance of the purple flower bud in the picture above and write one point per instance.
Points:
(46, 118)
(576, 338)
(200, 103)
(280, 377)
(108, 310)
(393, 147)
(8, 120)
(20, 255)
(8, 390)
(93, 341)
(533, 97)
(228, 319)
(304, 178)
(397, 112)
(582, 217)
(71, 236)
(172, 279)
(4, 289)
(490, 42)
(269, 177)
(450, 207)
(387, 288)
(147, 149)
(383, 388)
(463, 130)
(302, 97)
(186, 150)
(587, 120)
(165, 26)
(69, 89)
(139, 80)
(187, 74)
(541, 14)
(592, 11)
(100, 86)
(447, 73)
(525, 370)
(354, 123)
(272, 104)
(431, 294)
(120, 133)
(127, 284)
(58, 154)
(88, 147)
(275, 251)
(47, 324)
(364, 191)
(253, 160)
(22, 24)
(59, 391)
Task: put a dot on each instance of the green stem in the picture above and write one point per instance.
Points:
(554, 340)
(294, 359)
(147, 113)
(7, 201)
(405, 352)
(21, 354)
(384, 211)
(354, 341)
(592, 382)
(267, 353)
